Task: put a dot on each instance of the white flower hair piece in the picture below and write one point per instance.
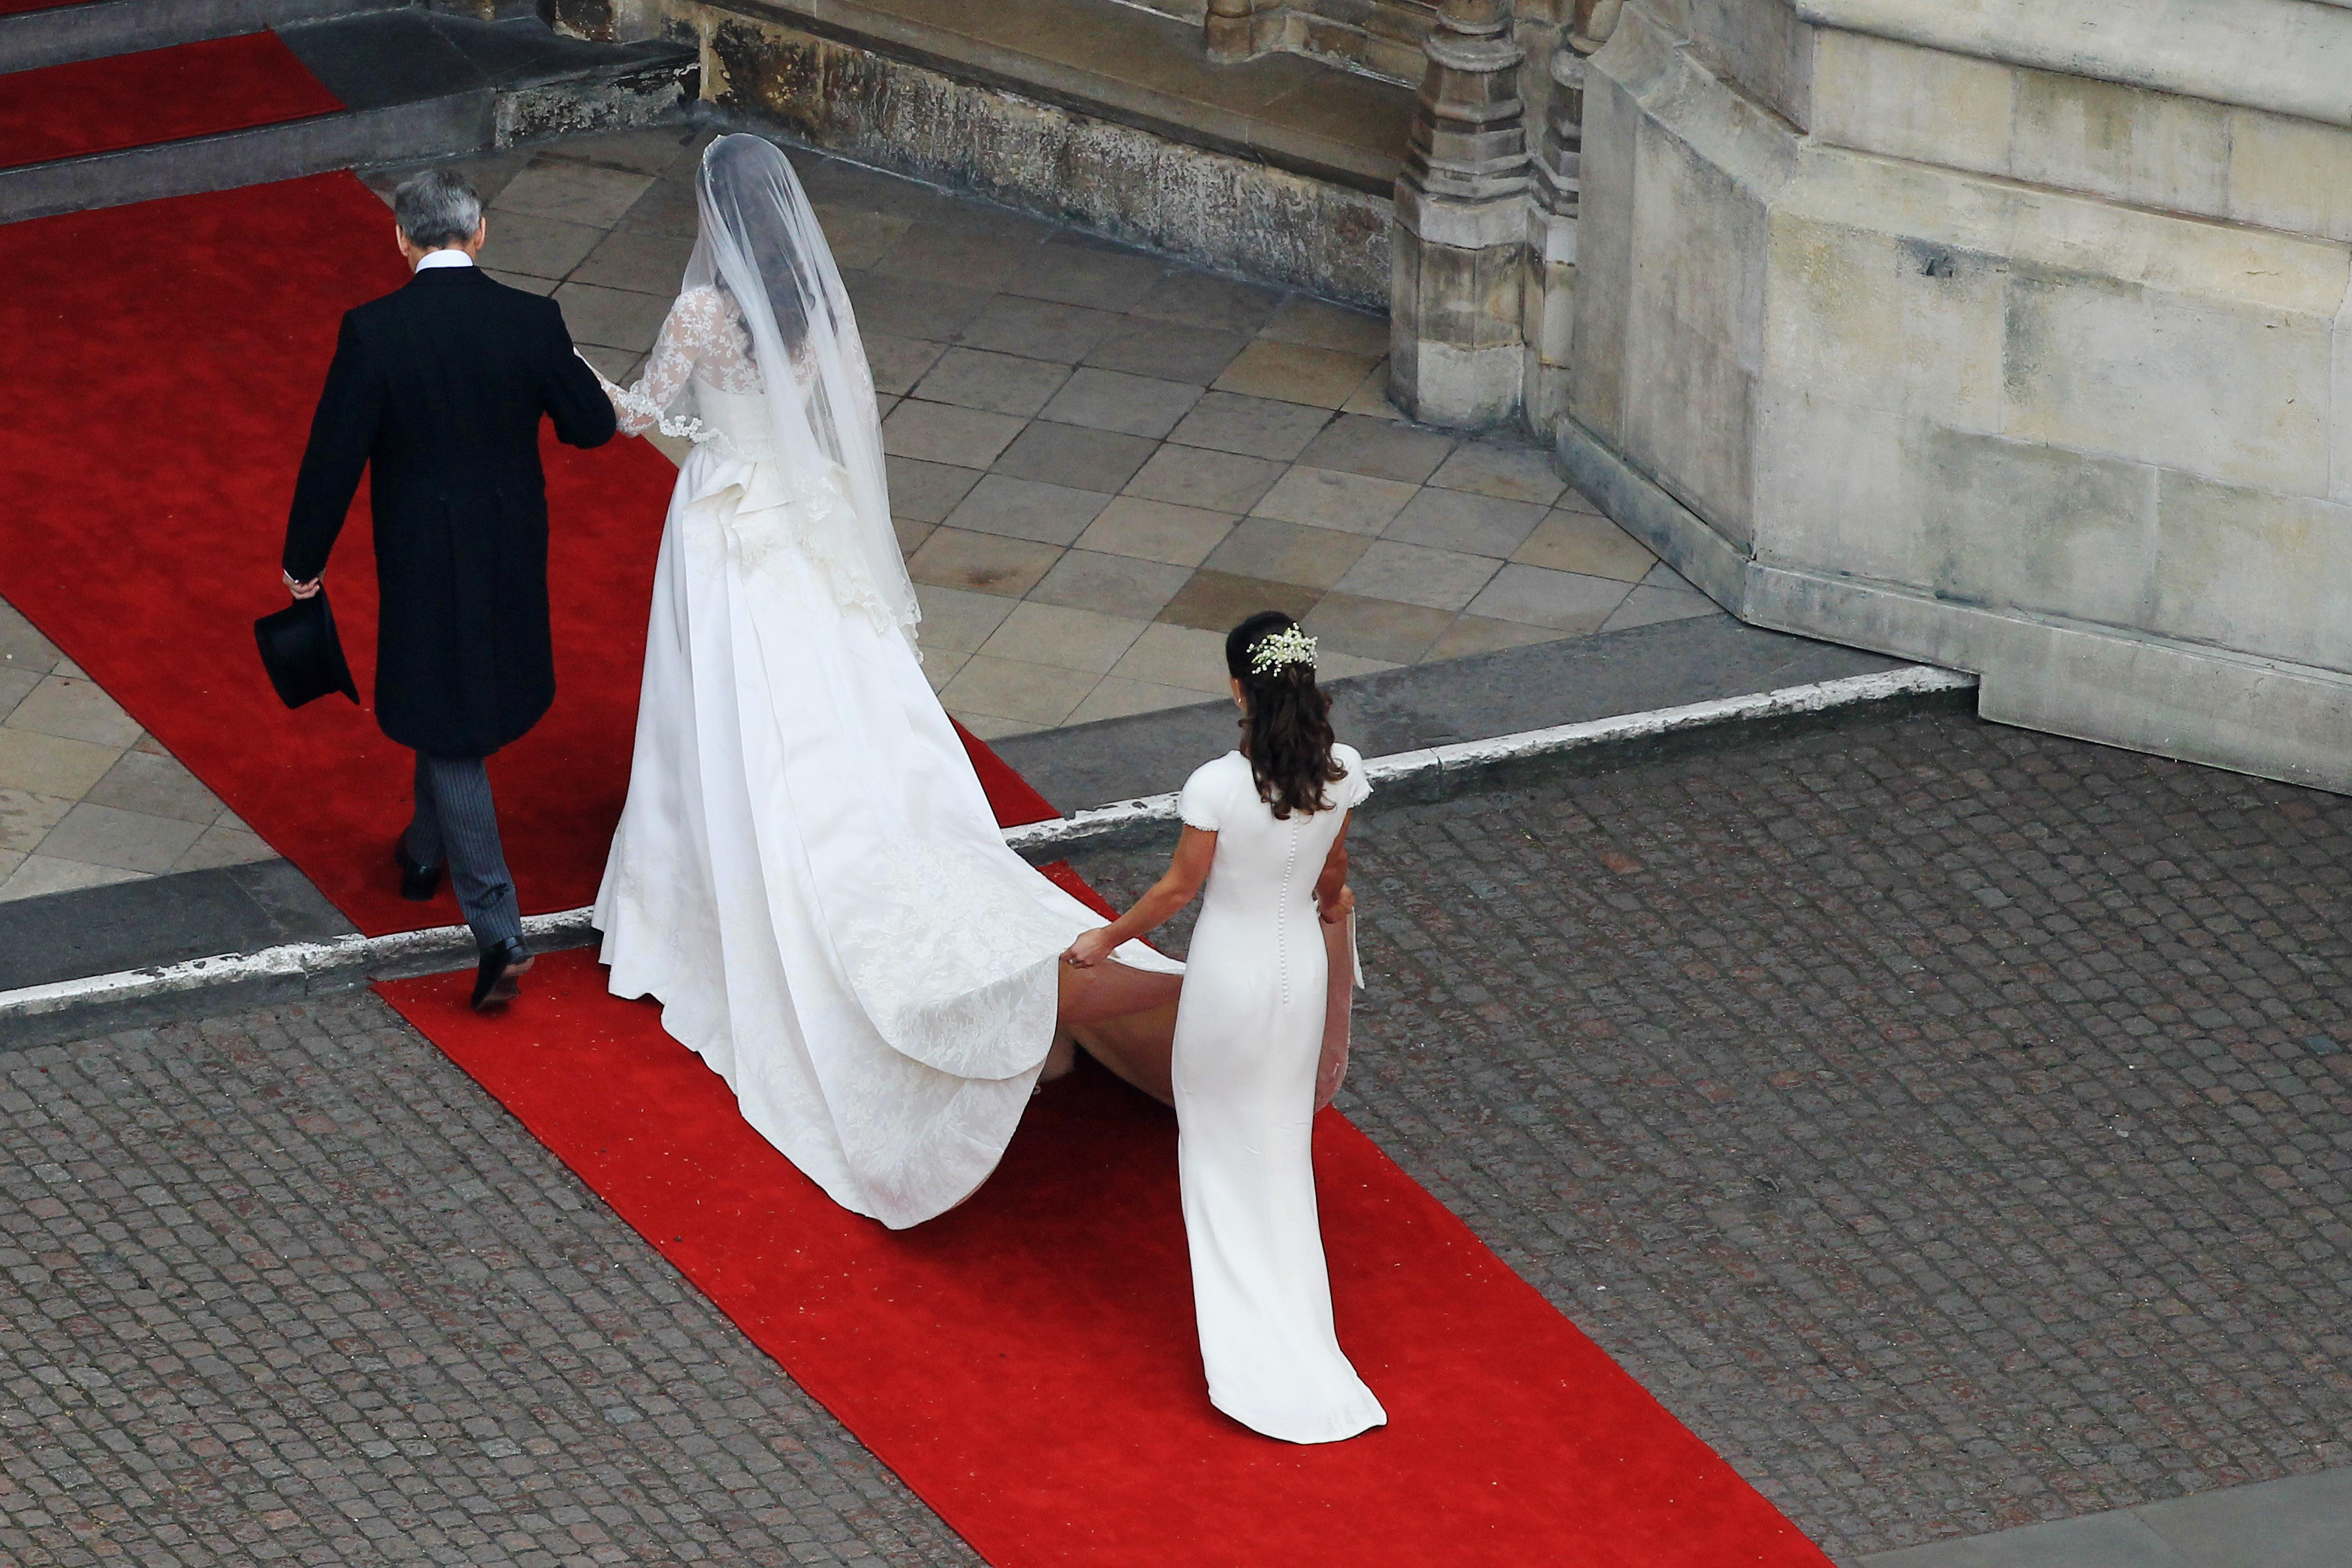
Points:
(1288, 646)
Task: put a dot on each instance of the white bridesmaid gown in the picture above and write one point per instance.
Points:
(1251, 1031)
(807, 873)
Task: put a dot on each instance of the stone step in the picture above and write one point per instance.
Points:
(1130, 66)
(1107, 114)
(97, 28)
(414, 85)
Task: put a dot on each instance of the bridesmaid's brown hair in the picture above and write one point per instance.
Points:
(1285, 716)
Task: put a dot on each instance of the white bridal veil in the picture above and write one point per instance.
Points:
(760, 244)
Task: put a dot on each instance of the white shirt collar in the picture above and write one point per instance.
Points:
(451, 258)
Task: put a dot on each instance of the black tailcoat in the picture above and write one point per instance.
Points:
(439, 388)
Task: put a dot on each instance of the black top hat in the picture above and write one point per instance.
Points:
(302, 653)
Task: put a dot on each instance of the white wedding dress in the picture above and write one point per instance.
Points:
(807, 873)
(1262, 1009)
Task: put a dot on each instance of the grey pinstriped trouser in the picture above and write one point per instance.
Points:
(456, 821)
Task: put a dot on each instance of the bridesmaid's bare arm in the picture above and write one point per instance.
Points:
(1187, 869)
(1333, 897)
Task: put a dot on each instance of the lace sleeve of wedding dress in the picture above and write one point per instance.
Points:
(701, 335)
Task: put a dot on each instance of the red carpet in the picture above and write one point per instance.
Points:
(1015, 800)
(1026, 1363)
(159, 95)
(141, 521)
(10, 7)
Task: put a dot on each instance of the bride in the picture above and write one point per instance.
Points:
(808, 874)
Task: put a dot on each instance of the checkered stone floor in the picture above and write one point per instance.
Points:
(88, 797)
(1099, 459)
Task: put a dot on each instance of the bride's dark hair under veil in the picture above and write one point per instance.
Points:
(759, 243)
(727, 174)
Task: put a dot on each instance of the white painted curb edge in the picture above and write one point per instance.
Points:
(1398, 768)
(418, 952)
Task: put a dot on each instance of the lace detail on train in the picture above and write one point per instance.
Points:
(972, 1007)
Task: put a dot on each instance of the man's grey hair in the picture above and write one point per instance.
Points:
(435, 208)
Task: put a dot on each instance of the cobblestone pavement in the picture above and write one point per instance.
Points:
(1949, 1123)
(291, 1287)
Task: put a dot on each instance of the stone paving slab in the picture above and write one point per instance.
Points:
(154, 920)
(1951, 1124)
(1100, 460)
(2302, 1522)
(86, 796)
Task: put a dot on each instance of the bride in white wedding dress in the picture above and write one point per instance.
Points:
(807, 873)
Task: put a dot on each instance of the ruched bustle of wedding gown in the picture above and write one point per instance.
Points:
(807, 873)
(1252, 1028)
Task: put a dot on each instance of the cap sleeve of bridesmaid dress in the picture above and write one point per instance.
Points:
(1203, 803)
(1349, 793)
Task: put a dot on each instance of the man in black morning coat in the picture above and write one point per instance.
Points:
(439, 386)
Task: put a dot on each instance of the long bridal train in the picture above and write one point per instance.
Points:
(809, 877)
(807, 873)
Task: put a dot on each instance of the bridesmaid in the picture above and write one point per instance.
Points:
(1265, 828)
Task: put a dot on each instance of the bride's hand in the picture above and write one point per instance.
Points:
(1091, 948)
(1335, 907)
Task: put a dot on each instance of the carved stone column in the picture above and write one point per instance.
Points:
(1595, 20)
(486, 10)
(1461, 238)
(604, 21)
(1550, 312)
(1234, 29)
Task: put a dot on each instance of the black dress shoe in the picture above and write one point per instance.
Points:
(500, 980)
(417, 883)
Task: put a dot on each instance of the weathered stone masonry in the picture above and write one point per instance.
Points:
(2016, 337)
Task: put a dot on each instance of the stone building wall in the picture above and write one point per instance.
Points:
(1383, 36)
(2014, 336)
(873, 83)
